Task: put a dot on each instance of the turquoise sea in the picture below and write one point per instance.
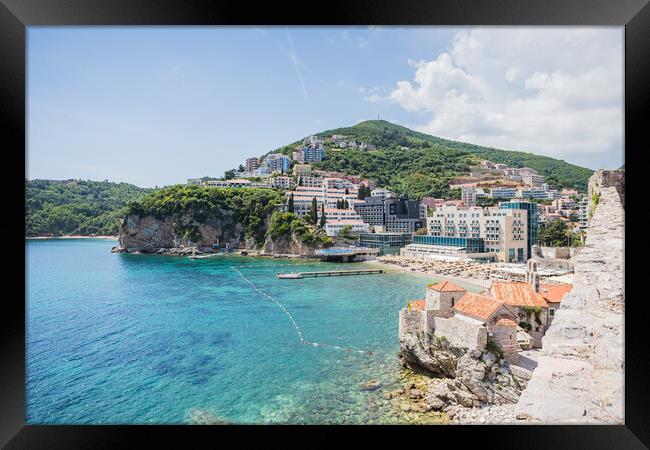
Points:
(143, 339)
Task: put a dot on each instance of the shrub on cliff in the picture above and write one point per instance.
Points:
(251, 207)
(284, 223)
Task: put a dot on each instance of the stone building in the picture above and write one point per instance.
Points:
(462, 318)
(530, 306)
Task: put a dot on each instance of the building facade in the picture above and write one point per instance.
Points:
(532, 220)
(499, 233)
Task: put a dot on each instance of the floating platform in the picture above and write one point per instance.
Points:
(329, 273)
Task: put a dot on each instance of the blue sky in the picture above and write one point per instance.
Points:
(155, 106)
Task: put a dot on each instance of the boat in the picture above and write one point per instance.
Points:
(289, 275)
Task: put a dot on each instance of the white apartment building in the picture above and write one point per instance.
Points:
(532, 180)
(237, 183)
(468, 195)
(304, 195)
(310, 181)
(381, 192)
(503, 192)
(282, 182)
(504, 231)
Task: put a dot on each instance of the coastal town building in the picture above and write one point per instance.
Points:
(329, 197)
(391, 215)
(532, 179)
(252, 164)
(464, 319)
(237, 183)
(503, 192)
(302, 170)
(282, 182)
(531, 221)
(334, 227)
(488, 234)
(387, 243)
(276, 162)
(468, 195)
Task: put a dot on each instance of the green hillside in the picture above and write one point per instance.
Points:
(430, 162)
(55, 207)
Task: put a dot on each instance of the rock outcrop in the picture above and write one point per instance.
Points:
(580, 377)
(468, 378)
(148, 234)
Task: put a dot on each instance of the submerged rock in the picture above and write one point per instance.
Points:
(200, 416)
(371, 385)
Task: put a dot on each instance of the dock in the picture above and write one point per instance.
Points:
(329, 273)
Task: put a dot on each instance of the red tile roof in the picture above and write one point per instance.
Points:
(418, 305)
(504, 322)
(477, 305)
(554, 292)
(517, 293)
(446, 286)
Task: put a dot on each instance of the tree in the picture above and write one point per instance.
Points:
(558, 234)
(347, 192)
(346, 205)
(346, 231)
(313, 212)
(241, 168)
(299, 181)
(229, 174)
(323, 219)
(290, 204)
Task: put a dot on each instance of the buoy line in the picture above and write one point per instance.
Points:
(295, 325)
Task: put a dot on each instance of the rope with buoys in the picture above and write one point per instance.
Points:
(295, 325)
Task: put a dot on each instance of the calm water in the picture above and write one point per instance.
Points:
(121, 339)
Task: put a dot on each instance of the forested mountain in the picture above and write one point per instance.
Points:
(54, 207)
(417, 164)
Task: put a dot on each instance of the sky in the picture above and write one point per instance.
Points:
(155, 106)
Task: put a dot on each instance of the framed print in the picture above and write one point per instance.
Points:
(382, 214)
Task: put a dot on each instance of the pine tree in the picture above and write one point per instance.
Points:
(346, 205)
(313, 211)
(323, 219)
(347, 191)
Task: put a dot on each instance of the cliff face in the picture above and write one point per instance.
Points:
(580, 378)
(149, 234)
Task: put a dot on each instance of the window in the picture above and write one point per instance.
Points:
(536, 328)
(551, 312)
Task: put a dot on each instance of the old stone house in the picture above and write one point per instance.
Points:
(530, 306)
(462, 318)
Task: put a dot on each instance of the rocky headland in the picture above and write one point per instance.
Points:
(191, 220)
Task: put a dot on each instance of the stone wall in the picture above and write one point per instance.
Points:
(607, 178)
(413, 321)
(580, 377)
(461, 332)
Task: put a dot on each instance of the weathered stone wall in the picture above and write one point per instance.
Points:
(461, 332)
(413, 321)
(580, 378)
(607, 178)
(506, 337)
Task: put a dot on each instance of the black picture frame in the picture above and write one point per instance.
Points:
(16, 15)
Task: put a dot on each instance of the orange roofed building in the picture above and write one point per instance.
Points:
(553, 294)
(531, 308)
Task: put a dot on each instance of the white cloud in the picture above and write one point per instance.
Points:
(552, 91)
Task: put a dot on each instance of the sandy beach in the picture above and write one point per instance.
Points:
(458, 272)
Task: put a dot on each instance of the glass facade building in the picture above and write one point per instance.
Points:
(472, 245)
(387, 243)
(531, 209)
